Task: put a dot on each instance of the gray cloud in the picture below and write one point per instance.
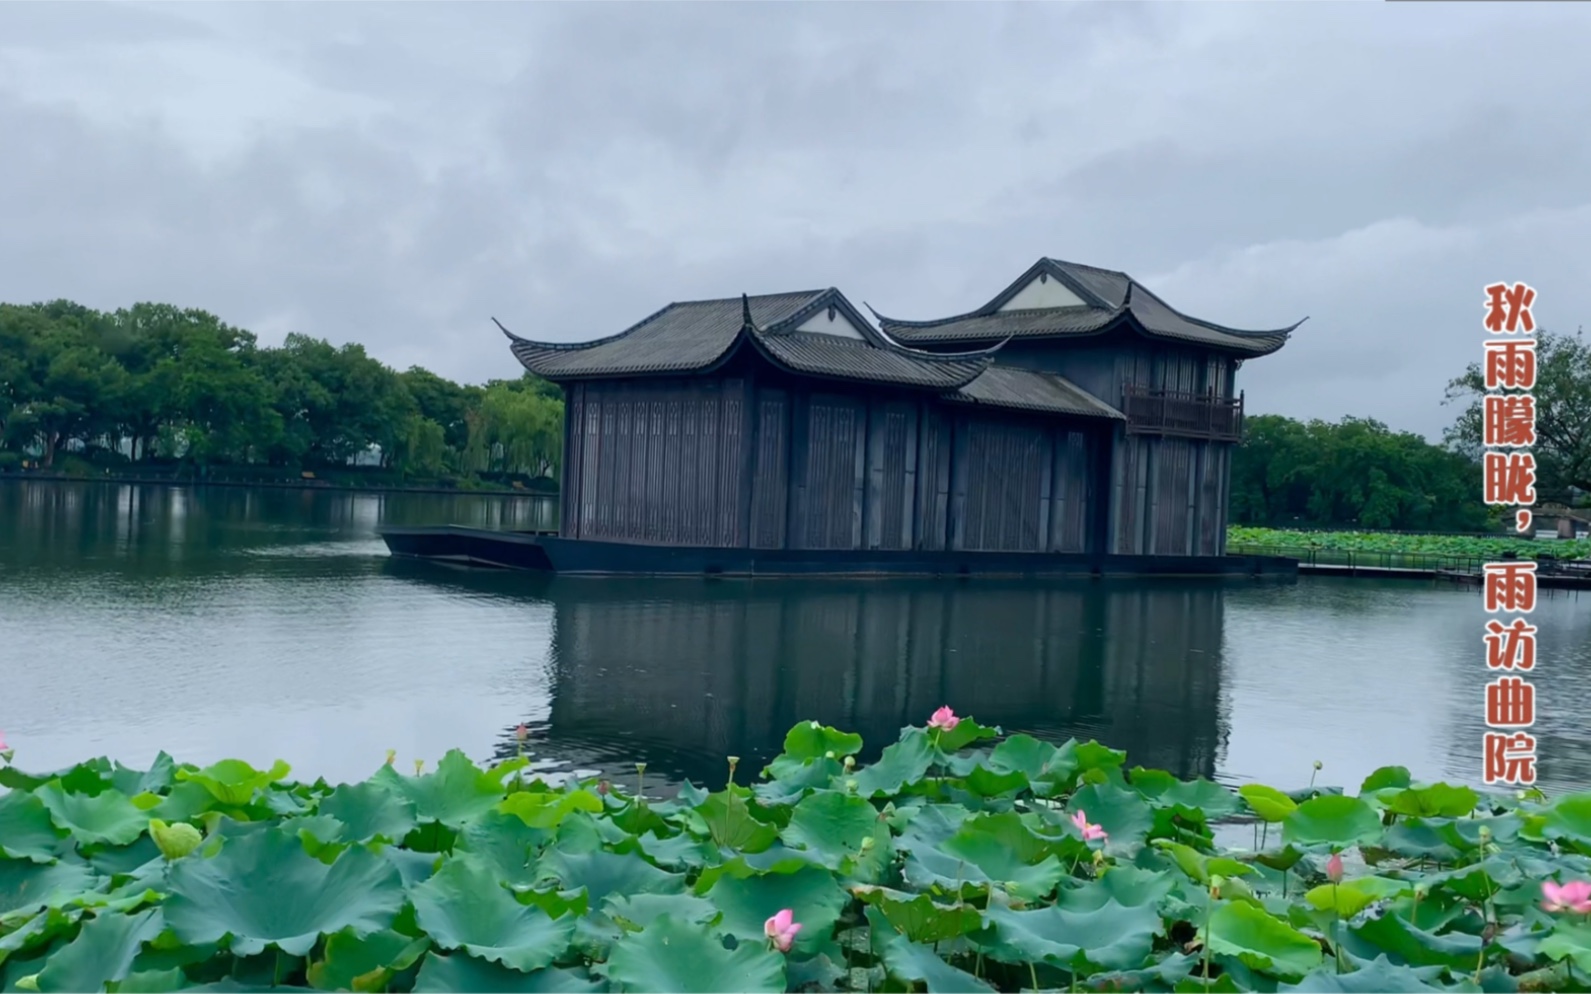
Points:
(393, 174)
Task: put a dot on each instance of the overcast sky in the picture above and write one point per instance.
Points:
(395, 175)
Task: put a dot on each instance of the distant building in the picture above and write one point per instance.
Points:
(1075, 412)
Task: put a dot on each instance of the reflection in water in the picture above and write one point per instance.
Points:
(684, 673)
(269, 624)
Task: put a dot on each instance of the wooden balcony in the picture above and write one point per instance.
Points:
(1182, 415)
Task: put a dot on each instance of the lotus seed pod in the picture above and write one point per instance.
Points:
(1215, 885)
(174, 841)
(867, 843)
(392, 754)
(1485, 834)
(1319, 764)
(850, 785)
(850, 762)
(829, 754)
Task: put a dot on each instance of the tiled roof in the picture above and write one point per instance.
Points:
(1030, 390)
(1111, 299)
(693, 336)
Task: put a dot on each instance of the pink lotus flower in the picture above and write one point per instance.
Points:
(944, 719)
(1573, 896)
(1090, 832)
(3, 746)
(781, 929)
(1334, 868)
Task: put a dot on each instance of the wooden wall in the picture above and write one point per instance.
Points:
(1168, 495)
(656, 461)
(778, 464)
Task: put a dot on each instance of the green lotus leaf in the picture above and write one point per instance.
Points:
(921, 918)
(1262, 941)
(602, 873)
(811, 741)
(505, 843)
(640, 910)
(369, 811)
(1386, 777)
(34, 932)
(1205, 798)
(263, 889)
(1568, 818)
(457, 792)
(547, 810)
(1269, 803)
(831, 825)
(1393, 934)
(1375, 977)
(677, 852)
(907, 761)
(464, 974)
(27, 886)
(995, 848)
(354, 962)
(232, 781)
(792, 782)
(964, 734)
(1034, 758)
(1413, 838)
(1332, 819)
(1125, 885)
(106, 818)
(988, 783)
(1109, 937)
(1437, 800)
(153, 982)
(464, 907)
(1352, 896)
(185, 802)
(1125, 817)
(671, 955)
(748, 900)
(1570, 940)
(102, 952)
(1093, 756)
(26, 831)
(729, 820)
(915, 963)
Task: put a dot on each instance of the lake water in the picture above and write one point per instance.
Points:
(269, 624)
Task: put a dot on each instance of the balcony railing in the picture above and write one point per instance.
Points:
(1184, 415)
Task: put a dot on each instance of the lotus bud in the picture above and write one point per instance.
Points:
(521, 733)
(174, 841)
(867, 843)
(1334, 868)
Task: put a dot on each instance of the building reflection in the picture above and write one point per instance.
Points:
(683, 674)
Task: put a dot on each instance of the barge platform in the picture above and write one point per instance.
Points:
(547, 552)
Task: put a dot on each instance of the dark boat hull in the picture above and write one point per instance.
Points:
(546, 553)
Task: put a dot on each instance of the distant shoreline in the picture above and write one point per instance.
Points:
(318, 485)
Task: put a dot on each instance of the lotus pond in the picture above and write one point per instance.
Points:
(962, 860)
(1467, 546)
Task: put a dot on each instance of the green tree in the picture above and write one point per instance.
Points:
(1356, 473)
(1563, 414)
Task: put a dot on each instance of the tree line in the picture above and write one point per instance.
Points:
(1360, 473)
(155, 383)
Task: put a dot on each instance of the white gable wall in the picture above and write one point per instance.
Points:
(822, 324)
(1038, 295)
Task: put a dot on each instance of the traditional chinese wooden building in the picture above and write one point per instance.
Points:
(1074, 423)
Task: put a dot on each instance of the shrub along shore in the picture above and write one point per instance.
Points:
(961, 860)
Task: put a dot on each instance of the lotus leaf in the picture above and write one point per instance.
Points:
(671, 955)
(263, 889)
